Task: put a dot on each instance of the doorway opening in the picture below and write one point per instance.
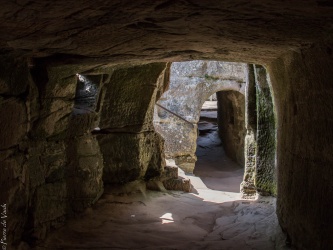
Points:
(187, 118)
(206, 218)
(221, 136)
(86, 93)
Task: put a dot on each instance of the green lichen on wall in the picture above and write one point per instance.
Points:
(248, 188)
(265, 180)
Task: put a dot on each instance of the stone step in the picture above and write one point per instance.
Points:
(170, 172)
(179, 184)
(170, 179)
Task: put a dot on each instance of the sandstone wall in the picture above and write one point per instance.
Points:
(231, 123)
(141, 31)
(53, 157)
(303, 94)
(248, 188)
(191, 83)
(265, 178)
(260, 139)
(131, 148)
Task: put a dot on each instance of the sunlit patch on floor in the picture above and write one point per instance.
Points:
(167, 218)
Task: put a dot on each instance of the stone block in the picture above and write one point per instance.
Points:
(170, 172)
(49, 209)
(14, 193)
(36, 172)
(130, 97)
(11, 174)
(13, 122)
(179, 184)
(157, 160)
(83, 123)
(87, 145)
(54, 118)
(62, 81)
(46, 161)
(127, 157)
(51, 202)
(186, 162)
(13, 76)
(84, 172)
(179, 136)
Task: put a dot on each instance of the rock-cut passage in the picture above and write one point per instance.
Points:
(213, 166)
(213, 216)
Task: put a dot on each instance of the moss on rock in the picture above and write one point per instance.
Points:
(265, 152)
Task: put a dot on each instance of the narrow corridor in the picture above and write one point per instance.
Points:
(214, 167)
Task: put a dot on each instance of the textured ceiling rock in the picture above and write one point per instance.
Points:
(132, 31)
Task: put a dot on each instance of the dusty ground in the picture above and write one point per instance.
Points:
(212, 217)
(209, 220)
(214, 168)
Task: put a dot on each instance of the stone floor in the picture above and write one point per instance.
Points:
(212, 217)
(208, 220)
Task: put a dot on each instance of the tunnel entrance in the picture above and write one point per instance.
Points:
(129, 215)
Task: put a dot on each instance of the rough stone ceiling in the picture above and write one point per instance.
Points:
(121, 31)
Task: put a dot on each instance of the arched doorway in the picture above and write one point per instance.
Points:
(177, 113)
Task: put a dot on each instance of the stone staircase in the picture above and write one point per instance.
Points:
(173, 178)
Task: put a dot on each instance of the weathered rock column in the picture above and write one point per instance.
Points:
(265, 177)
(247, 186)
(131, 148)
(85, 164)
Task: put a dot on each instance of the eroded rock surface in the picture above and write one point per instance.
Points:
(123, 30)
(291, 38)
(53, 156)
(266, 135)
(304, 145)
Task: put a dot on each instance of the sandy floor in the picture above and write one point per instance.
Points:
(214, 168)
(212, 217)
(208, 220)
